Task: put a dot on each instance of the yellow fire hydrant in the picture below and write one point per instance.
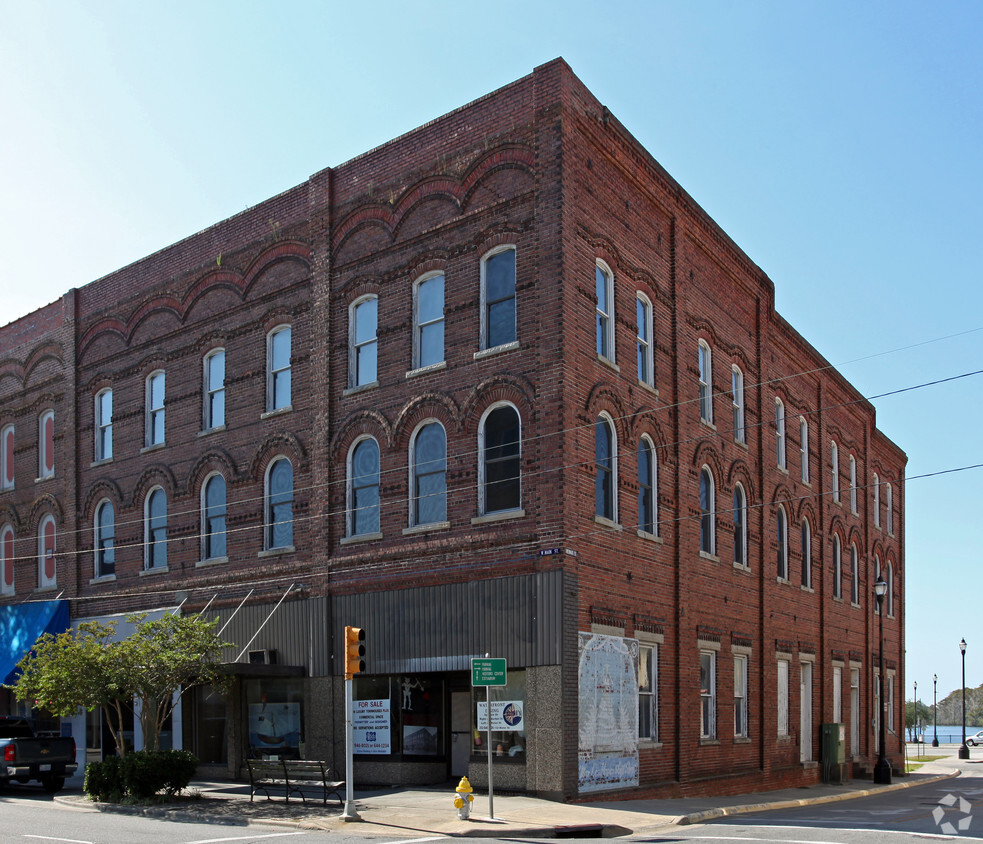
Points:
(464, 799)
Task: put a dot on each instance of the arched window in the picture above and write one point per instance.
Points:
(279, 504)
(428, 320)
(46, 444)
(605, 465)
(105, 540)
(853, 484)
(854, 575)
(737, 402)
(781, 526)
(6, 560)
(498, 317)
(780, 434)
(499, 467)
(604, 287)
(104, 425)
(889, 509)
(155, 533)
(804, 449)
(806, 554)
(155, 408)
(837, 568)
(643, 339)
(834, 457)
(877, 501)
(647, 487)
(363, 488)
(278, 369)
(213, 393)
(740, 527)
(705, 362)
(429, 480)
(364, 342)
(213, 512)
(708, 533)
(889, 598)
(7, 457)
(47, 570)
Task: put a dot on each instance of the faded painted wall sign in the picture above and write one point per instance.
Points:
(608, 745)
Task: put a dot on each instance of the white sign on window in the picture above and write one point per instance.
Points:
(371, 731)
(506, 716)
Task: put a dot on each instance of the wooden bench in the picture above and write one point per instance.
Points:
(293, 776)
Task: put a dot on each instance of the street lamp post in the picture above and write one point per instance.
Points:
(935, 709)
(882, 770)
(963, 749)
(915, 683)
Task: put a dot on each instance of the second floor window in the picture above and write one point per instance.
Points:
(889, 509)
(604, 311)
(429, 481)
(834, 459)
(364, 349)
(605, 481)
(708, 534)
(363, 506)
(740, 527)
(155, 408)
(806, 554)
(854, 575)
(781, 535)
(214, 392)
(279, 516)
(105, 544)
(853, 484)
(498, 311)
(643, 341)
(46, 444)
(428, 336)
(780, 434)
(104, 425)
(7, 457)
(278, 369)
(213, 519)
(47, 568)
(706, 383)
(737, 402)
(155, 533)
(837, 568)
(500, 461)
(804, 449)
(6, 560)
(647, 489)
(877, 501)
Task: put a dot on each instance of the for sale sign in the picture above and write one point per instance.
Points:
(371, 727)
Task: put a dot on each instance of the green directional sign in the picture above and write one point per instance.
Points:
(487, 672)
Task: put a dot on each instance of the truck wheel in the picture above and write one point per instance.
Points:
(53, 784)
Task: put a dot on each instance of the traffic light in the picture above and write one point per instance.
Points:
(354, 651)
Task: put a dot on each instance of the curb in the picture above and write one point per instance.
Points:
(747, 808)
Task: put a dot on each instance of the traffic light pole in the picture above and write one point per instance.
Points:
(349, 814)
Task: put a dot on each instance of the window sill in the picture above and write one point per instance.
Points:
(496, 350)
(837, 599)
(805, 482)
(610, 523)
(215, 430)
(651, 537)
(155, 570)
(809, 765)
(44, 478)
(424, 370)
(783, 470)
(648, 744)
(706, 741)
(211, 561)
(854, 604)
(651, 388)
(501, 516)
(362, 537)
(412, 531)
(276, 552)
(610, 364)
(784, 580)
(706, 556)
(153, 447)
(279, 411)
(742, 568)
(742, 444)
(708, 423)
(102, 578)
(360, 388)
(805, 588)
(39, 589)
(101, 462)
(742, 739)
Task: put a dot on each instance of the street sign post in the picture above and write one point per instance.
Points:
(489, 672)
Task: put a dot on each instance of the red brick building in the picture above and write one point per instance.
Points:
(499, 386)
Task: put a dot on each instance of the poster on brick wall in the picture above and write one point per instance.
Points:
(608, 719)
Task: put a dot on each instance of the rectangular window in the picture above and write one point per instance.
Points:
(890, 702)
(648, 692)
(7, 458)
(740, 696)
(428, 342)
(643, 340)
(889, 509)
(708, 694)
(104, 425)
(853, 484)
(737, 401)
(155, 409)
(837, 695)
(706, 384)
(780, 433)
(365, 342)
(215, 390)
(804, 449)
(604, 322)
(498, 292)
(278, 369)
(782, 698)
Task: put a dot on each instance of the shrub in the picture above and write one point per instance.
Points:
(140, 776)
(104, 780)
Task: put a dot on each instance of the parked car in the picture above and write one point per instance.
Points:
(975, 739)
(25, 756)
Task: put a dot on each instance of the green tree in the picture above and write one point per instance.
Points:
(145, 673)
(916, 714)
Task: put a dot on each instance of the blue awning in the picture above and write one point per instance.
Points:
(20, 626)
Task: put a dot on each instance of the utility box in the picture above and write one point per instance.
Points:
(834, 753)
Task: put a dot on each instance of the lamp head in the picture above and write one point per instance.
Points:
(880, 589)
(962, 645)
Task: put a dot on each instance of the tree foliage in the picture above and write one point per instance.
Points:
(146, 672)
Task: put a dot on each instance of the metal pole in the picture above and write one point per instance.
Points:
(491, 789)
(935, 709)
(349, 814)
(963, 749)
(882, 770)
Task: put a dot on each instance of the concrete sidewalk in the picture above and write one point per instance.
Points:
(408, 813)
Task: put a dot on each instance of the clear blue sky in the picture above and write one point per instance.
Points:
(838, 143)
